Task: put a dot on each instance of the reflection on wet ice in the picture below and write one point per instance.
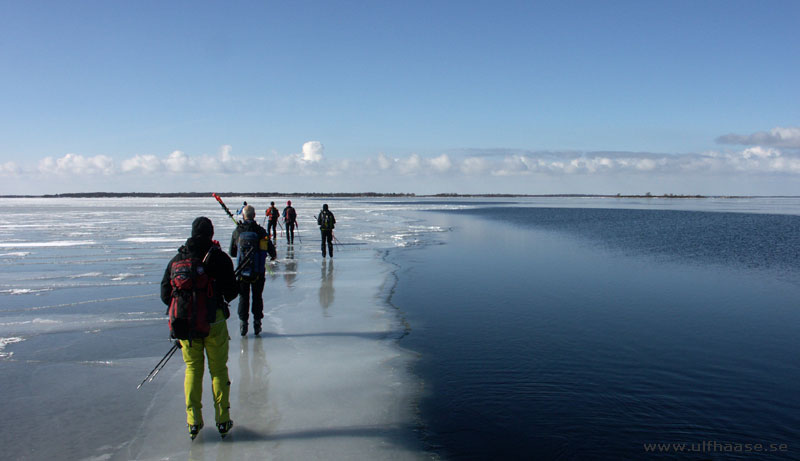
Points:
(326, 291)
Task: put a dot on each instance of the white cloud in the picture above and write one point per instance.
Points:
(409, 165)
(760, 152)
(225, 153)
(441, 163)
(786, 137)
(384, 162)
(756, 159)
(179, 162)
(146, 164)
(475, 166)
(312, 151)
(310, 166)
(9, 169)
(75, 164)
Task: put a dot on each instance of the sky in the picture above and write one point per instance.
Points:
(681, 97)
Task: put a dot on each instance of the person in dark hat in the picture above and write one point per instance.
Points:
(290, 220)
(326, 222)
(216, 269)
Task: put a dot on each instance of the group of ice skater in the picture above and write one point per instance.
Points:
(200, 281)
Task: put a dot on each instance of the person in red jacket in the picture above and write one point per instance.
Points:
(272, 220)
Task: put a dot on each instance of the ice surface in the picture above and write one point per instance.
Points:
(81, 325)
(326, 379)
(62, 243)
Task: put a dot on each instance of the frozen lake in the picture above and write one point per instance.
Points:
(340, 372)
(81, 324)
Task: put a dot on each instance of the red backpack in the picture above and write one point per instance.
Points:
(192, 308)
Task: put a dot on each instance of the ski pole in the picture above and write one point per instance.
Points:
(244, 262)
(176, 347)
(297, 223)
(224, 207)
(160, 364)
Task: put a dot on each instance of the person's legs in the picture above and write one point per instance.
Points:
(258, 304)
(327, 239)
(244, 306)
(193, 380)
(217, 351)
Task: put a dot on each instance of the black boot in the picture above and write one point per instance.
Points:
(257, 327)
(194, 429)
(243, 327)
(224, 428)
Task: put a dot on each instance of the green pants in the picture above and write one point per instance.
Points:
(215, 346)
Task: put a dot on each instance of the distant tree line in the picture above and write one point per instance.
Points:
(208, 194)
(352, 195)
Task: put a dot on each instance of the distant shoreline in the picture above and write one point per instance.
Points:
(375, 195)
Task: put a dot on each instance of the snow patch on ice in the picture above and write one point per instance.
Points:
(55, 243)
(153, 239)
(126, 275)
(18, 254)
(42, 321)
(97, 362)
(24, 291)
(6, 341)
(103, 457)
(90, 301)
(86, 274)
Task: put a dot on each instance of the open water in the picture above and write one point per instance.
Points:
(593, 333)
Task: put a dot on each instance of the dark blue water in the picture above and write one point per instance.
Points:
(587, 334)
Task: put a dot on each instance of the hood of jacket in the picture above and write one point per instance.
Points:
(196, 246)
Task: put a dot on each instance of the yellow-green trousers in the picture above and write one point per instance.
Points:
(215, 347)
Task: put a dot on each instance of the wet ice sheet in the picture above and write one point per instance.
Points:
(324, 381)
(81, 324)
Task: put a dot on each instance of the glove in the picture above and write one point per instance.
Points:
(216, 244)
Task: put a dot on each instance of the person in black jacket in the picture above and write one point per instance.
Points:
(289, 220)
(326, 223)
(219, 267)
(249, 233)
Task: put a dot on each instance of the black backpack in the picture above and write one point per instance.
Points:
(192, 308)
(325, 220)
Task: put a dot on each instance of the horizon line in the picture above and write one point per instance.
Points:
(373, 194)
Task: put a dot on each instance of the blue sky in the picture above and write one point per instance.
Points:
(425, 97)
